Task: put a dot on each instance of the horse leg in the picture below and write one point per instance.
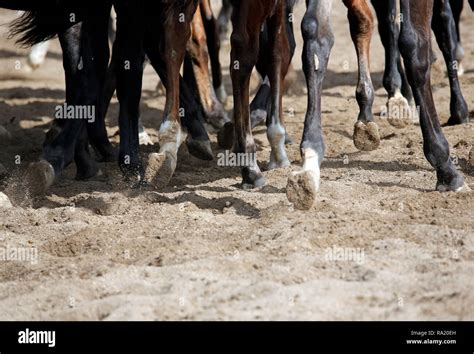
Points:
(247, 21)
(457, 7)
(261, 104)
(192, 119)
(366, 132)
(415, 46)
(198, 54)
(444, 28)
(318, 37)
(161, 166)
(279, 52)
(214, 47)
(395, 82)
(129, 76)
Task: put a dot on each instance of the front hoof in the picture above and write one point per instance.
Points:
(200, 149)
(302, 189)
(225, 136)
(459, 113)
(39, 177)
(132, 173)
(451, 181)
(366, 136)
(160, 169)
(399, 112)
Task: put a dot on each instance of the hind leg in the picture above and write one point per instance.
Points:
(318, 37)
(444, 28)
(399, 112)
(366, 132)
(415, 46)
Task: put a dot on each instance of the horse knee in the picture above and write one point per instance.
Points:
(317, 32)
(244, 57)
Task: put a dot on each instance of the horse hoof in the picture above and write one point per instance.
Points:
(160, 169)
(225, 136)
(258, 117)
(399, 112)
(302, 189)
(257, 183)
(451, 181)
(366, 136)
(200, 149)
(39, 177)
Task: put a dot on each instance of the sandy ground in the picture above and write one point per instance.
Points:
(205, 249)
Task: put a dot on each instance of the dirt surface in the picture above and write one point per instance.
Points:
(379, 245)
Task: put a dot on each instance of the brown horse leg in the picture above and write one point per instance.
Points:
(198, 53)
(214, 47)
(279, 52)
(247, 20)
(366, 132)
(161, 166)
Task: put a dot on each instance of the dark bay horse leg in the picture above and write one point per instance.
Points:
(279, 60)
(366, 132)
(247, 19)
(129, 73)
(179, 15)
(399, 112)
(318, 38)
(415, 46)
(444, 28)
(261, 104)
(214, 47)
(67, 139)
